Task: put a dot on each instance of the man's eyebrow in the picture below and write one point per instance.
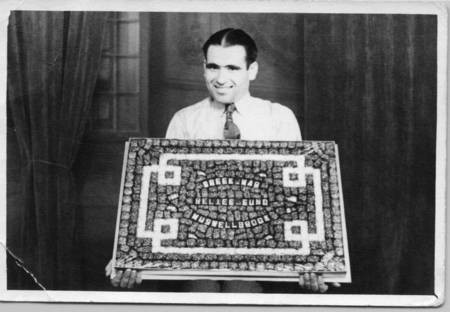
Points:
(212, 65)
(233, 67)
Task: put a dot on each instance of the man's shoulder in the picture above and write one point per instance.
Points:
(273, 107)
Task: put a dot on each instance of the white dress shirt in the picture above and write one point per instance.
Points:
(257, 119)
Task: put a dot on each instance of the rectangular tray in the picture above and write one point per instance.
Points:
(231, 209)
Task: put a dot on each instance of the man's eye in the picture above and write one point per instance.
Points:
(233, 68)
(212, 67)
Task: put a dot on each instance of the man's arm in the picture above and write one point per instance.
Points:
(289, 130)
(130, 278)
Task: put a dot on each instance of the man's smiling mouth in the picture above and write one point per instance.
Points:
(222, 87)
(223, 91)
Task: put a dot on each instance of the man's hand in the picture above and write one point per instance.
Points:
(314, 282)
(124, 279)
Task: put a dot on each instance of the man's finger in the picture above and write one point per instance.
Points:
(335, 284)
(132, 279)
(116, 280)
(314, 283)
(139, 277)
(108, 268)
(307, 281)
(125, 278)
(301, 280)
(322, 286)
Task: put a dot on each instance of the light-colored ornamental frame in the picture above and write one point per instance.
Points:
(305, 238)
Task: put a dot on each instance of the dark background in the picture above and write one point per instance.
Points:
(367, 82)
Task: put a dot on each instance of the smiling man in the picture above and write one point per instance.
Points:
(231, 112)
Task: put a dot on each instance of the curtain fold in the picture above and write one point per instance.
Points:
(370, 85)
(53, 60)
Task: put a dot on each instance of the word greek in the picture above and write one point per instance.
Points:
(231, 181)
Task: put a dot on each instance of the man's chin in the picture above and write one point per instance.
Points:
(223, 99)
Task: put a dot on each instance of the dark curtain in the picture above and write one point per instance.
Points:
(53, 59)
(370, 85)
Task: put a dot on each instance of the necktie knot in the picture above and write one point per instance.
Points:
(230, 108)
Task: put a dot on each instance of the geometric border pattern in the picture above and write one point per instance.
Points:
(299, 170)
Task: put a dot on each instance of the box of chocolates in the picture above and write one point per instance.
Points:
(231, 209)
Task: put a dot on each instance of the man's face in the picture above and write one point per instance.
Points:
(226, 74)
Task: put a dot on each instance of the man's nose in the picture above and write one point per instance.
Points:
(222, 76)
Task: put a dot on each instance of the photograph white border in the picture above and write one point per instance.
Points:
(291, 6)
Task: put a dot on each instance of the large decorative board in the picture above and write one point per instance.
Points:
(231, 209)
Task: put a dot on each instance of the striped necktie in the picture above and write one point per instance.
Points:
(230, 130)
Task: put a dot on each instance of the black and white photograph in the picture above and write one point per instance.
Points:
(215, 153)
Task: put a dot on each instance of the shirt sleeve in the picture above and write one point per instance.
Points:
(288, 129)
(176, 128)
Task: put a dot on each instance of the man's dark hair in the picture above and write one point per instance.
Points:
(231, 37)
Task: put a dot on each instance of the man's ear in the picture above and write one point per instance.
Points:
(253, 70)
